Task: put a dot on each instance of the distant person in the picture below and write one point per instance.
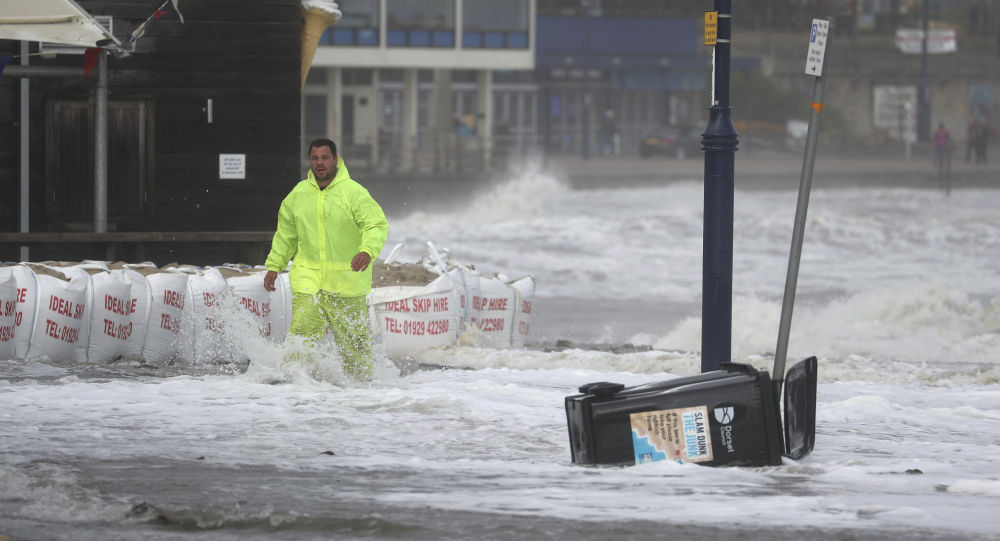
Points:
(970, 139)
(463, 126)
(982, 138)
(942, 140)
(331, 229)
(609, 129)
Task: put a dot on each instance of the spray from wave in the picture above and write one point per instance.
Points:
(295, 360)
(522, 193)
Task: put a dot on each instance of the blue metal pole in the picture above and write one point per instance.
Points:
(719, 141)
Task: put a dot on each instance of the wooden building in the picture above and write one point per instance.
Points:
(222, 85)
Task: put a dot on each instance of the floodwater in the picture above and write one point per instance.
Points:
(897, 297)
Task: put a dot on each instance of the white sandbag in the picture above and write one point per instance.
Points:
(496, 306)
(168, 296)
(467, 287)
(50, 311)
(465, 279)
(24, 310)
(408, 319)
(525, 288)
(205, 328)
(140, 299)
(92, 264)
(265, 307)
(8, 312)
(107, 318)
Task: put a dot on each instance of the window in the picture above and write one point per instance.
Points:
(420, 23)
(495, 25)
(315, 121)
(357, 26)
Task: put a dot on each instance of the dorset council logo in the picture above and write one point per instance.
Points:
(724, 415)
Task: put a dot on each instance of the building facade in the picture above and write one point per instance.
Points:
(419, 84)
(223, 82)
(438, 85)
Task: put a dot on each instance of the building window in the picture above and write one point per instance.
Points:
(356, 77)
(358, 26)
(490, 24)
(420, 23)
(315, 117)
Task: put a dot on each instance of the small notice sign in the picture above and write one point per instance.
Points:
(817, 47)
(711, 27)
(233, 166)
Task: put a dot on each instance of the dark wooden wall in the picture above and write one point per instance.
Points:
(9, 146)
(245, 56)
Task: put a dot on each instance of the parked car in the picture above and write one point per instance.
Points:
(675, 141)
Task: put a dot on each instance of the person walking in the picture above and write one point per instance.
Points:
(982, 138)
(942, 141)
(970, 139)
(608, 132)
(331, 229)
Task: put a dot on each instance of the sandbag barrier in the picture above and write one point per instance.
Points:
(97, 312)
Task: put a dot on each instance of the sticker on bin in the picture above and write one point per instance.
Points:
(679, 434)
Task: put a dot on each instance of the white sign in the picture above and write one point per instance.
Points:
(817, 47)
(895, 110)
(910, 41)
(232, 166)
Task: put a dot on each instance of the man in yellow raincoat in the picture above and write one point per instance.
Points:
(331, 229)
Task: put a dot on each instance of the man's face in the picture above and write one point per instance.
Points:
(323, 163)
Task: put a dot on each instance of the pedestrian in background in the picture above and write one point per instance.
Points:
(970, 139)
(942, 142)
(982, 138)
(609, 130)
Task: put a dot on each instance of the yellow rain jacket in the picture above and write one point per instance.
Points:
(321, 230)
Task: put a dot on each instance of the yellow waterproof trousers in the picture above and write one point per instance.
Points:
(347, 317)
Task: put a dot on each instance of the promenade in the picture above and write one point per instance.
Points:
(778, 170)
(402, 193)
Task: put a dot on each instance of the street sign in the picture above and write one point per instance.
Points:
(711, 27)
(910, 41)
(817, 47)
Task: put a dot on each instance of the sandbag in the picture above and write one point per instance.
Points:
(467, 287)
(140, 298)
(108, 322)
(49, 312)
(525, 288)
(8, 312)
(265, 307)
(168, 297)
(496, 306)
(408, 319)
(204, 333)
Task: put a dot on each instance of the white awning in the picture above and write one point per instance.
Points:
(54, 21)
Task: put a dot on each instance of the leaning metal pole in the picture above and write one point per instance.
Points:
(798, 229)
(720, 141)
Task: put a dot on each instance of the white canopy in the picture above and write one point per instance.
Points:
(55, 21)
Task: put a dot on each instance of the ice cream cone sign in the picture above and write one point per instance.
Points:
(317, 15)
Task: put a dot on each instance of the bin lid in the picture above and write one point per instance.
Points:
(800, 408)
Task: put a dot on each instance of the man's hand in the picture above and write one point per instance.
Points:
(360, 261)
(269, 279)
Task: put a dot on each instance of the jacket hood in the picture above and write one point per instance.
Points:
(341, 175)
